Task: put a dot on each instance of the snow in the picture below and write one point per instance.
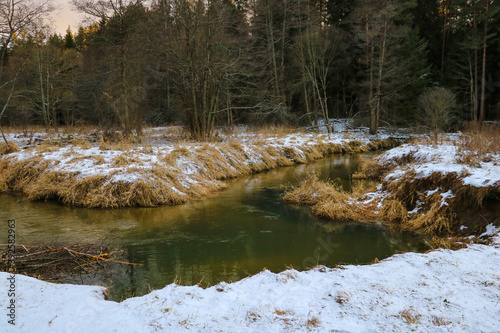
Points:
(490, 231)
(444, 196)
(440, 291)
(442, 158)
(431, 192)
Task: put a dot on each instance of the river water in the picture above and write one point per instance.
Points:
(229, 236)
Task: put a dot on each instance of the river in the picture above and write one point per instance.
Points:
(233, 234)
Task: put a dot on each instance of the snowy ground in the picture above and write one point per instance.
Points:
(444, 158)
(441, 291)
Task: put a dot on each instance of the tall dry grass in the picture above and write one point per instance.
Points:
(436, 216)
(161, 183)
(7, 148)
(479, 144)
(370, 169)
(327, 200)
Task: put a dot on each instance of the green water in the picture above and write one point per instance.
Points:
(234, 234)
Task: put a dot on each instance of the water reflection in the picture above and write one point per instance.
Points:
(229, 236)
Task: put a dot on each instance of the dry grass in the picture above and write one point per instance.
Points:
(253, 316)
(163, 183)
(336, 211)
(295, 155)
(342, 297)
(283, 312)
(451, 243)
(359, 188)
(312, 191)
(436, 217)
(393, 211)
(357, 147)
(171, 158)
(7, 148)
(438, 321)
(312, 322)
(436, 221)
(409, 316)
(370, 169)
(82, 143)
(122, 160)
(327, 200)
(99, 159)
(479, 144)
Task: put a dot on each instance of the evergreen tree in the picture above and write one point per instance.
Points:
(69, 41)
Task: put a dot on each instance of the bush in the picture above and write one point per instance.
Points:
(437, 105)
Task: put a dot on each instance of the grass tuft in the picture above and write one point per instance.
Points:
(327, 199)
(409, 316)
(479, 144)
(370, 169)
(435, 221)
(7, 148)
(393, 211)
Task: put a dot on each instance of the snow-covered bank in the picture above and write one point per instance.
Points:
(441, 291)
(170, 171)
(435, 189)
(444, 158)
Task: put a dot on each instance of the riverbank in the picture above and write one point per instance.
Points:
(441, 291)
(84, 170)
(445, 188)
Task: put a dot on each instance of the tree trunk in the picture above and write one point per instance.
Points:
(483, 79)
(447, 7)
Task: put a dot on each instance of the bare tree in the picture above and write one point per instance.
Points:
(315, 54)
(437, 105)
(122, 98)
(203, 60)
(17, 16)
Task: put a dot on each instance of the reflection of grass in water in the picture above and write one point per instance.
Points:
(266, 214)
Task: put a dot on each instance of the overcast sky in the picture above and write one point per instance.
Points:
(65, 15)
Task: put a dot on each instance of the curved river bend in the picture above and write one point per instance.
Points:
(234, 234)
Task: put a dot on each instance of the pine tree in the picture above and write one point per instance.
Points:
(69, 40)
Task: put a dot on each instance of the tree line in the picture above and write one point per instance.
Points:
(210, 63)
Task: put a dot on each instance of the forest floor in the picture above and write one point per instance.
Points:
(424, 184)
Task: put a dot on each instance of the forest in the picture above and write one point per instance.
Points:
(211, 63)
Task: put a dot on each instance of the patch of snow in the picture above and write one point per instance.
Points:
(441, 159)
(415, 210)
(444, 196)
(431, 192)
(491, 230)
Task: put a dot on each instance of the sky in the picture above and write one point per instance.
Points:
(65, 15)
